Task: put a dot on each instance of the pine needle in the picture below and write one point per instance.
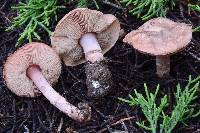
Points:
(197, 9)
(32, 16)
(147, 9)
(154, 113)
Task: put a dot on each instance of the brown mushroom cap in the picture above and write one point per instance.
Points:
(160, 36)
(31, 54)
(76, 23)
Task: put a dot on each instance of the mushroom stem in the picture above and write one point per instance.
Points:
(34, 73)
(163, 65)
(91, 47)
(99, 78)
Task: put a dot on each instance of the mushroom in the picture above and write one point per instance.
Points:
(83, 36)
(31, 70)
(160, 37)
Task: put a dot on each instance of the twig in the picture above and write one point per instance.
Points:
(191, 67)
(122, 120)
(60, 125)
(46, 113)
(128, 116)
(116, 123)
(181, 10)
(75, 77)
(194, 56)
(29, 114)
(33, 117)
(43, 126)
(101, 114)
(14, 114)
(111, 4)
(3, 6)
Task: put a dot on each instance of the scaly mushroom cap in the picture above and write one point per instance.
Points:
(31, 54)
(160, 36)
(76, 23)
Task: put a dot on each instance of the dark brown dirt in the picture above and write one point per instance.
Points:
(130, 70)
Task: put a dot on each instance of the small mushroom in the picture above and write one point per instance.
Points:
(84, 35)
(31, 70)
(160, 37)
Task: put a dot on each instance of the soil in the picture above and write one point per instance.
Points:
(130, 70)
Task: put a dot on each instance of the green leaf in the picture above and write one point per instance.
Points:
(154, 113)
(146, 9)
(32, 16)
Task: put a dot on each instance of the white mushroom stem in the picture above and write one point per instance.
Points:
(163, 65)
(55, 98)
(91, 47)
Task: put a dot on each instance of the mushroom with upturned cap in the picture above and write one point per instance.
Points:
(160, 37)
(84, 35)
(31, 70)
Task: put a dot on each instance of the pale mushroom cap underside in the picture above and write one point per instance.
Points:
(76, 23)
(31, 54)
(160, 36)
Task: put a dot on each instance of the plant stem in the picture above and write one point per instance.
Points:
(162, 65)
(99, 78)
(34, 73)
(91, 47)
